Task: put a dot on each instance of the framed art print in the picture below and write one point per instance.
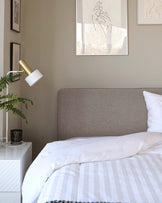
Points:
(15, 15)
(101, 27)
(149, 11)
(15, 50)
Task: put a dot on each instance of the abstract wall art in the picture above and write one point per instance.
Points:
(149, 11)
(15, 54)
(15, 15)
(101, 27)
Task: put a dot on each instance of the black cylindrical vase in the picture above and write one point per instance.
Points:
(16, 136)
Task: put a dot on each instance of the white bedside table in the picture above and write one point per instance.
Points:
(14, 161)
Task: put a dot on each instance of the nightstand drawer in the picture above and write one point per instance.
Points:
(10, 176)
(12, 197)
(14, 161)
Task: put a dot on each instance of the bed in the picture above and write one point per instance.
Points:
(109, 149)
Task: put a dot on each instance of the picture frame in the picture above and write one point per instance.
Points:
(101, 27)
(16, 15)
(15, 52)
(149, 12)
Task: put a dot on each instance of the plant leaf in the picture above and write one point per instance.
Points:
(5, 80)
(8, 102)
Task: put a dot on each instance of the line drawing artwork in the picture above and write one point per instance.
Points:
(102, 27)
(153, 8)
(101, 18)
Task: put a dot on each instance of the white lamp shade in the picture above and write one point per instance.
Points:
(32, 78)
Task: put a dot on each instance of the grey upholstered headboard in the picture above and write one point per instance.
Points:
(101, 112)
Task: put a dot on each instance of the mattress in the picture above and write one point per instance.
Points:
(126, 169)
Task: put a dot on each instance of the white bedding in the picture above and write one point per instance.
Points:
(130, 165)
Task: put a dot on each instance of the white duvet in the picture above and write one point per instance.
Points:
(83, 150)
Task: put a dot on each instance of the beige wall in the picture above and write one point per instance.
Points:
(1, 56)
(38, 51)
(8, 36)
(1, 35)
(49, 44)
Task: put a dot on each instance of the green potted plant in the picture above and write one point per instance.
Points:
(9, 101)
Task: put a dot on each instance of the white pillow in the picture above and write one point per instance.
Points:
(154, 107)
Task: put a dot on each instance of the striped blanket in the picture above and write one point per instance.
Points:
(133, 180)
(123, 169)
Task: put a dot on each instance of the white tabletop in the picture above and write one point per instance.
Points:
(13, 152)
